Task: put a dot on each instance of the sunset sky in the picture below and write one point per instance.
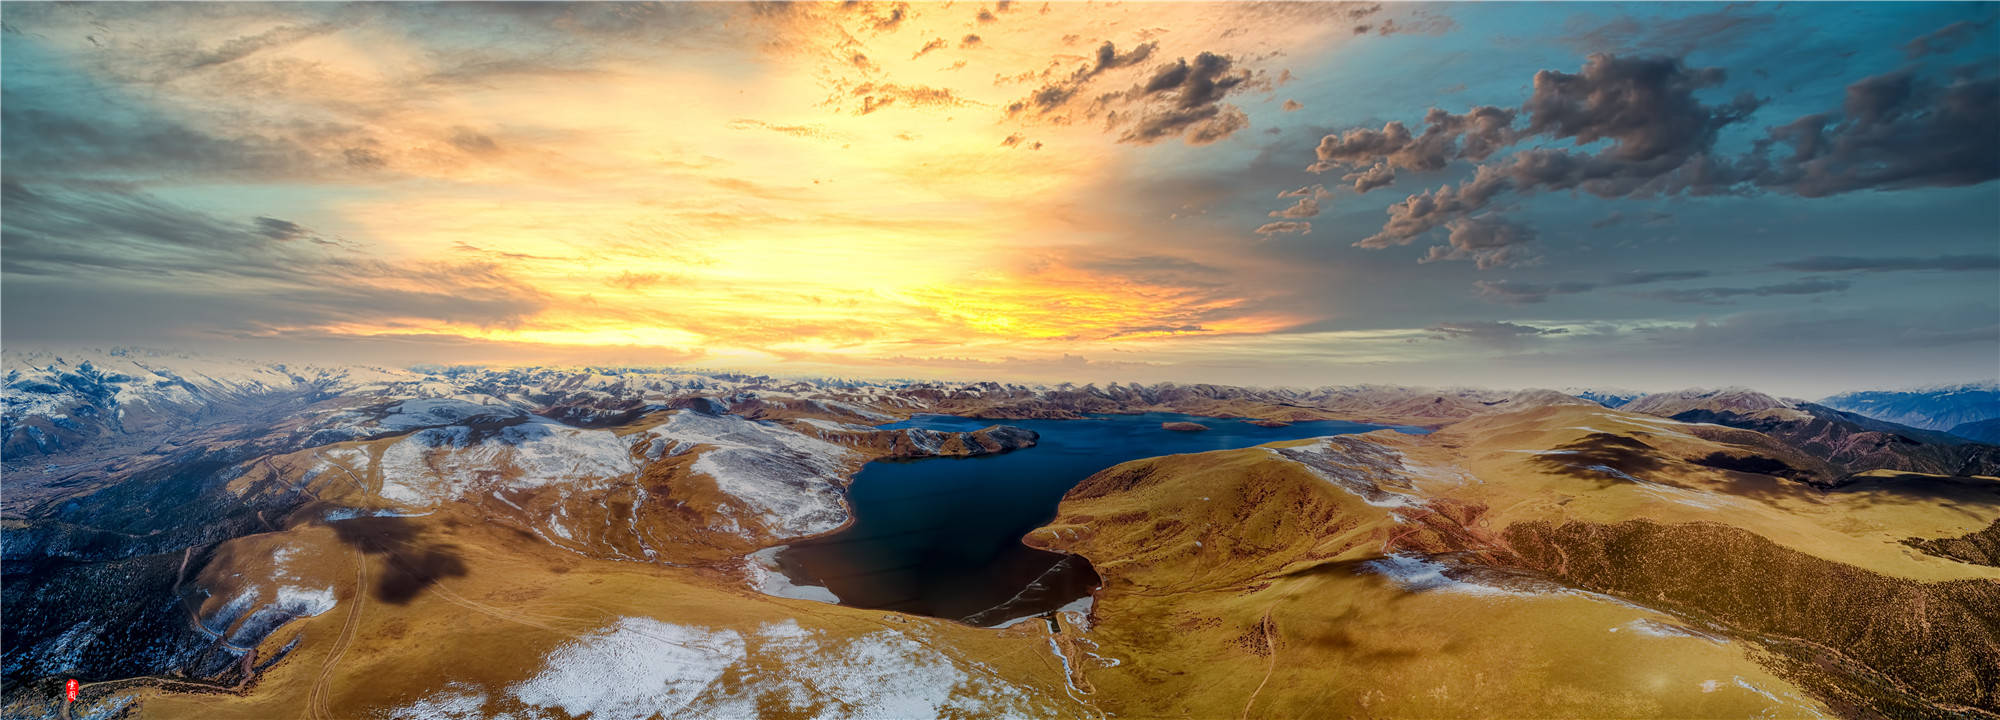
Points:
(1796, 197)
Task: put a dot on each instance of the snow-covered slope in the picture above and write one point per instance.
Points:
(1938, 408)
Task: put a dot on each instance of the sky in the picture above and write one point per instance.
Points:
(1796, 197)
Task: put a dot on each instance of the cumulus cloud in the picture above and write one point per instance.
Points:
(1420, 213)
(1941, 263)
(1182, 99)
(1316, 192)
(1185, 99)
(1446, 137)
(1895, 131)
(1488, 241)
(1645, 106)
(1650, 133)
(1380, 175)
(891, 19)
(875, 96)
(1054, 96)
(1306, 207)
(1017, 140)
(1280, 228)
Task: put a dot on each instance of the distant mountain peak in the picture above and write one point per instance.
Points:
(1738, 400)
(1940, 407)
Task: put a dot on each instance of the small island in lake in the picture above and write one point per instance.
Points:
(1260, 422)
(1183, 426)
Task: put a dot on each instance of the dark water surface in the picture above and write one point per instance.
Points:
(942, 536)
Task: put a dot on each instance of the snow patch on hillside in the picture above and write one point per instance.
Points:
(789, 480)
(831, 426)
(883, 674)
(426, 412)
(1360, 467)
(456, 702)
(638, 667)
(1416, 574)
(304, 602)
(430, 466)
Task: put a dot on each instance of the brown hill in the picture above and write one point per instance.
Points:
(1466, 572)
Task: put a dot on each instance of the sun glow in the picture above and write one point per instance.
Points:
(865, 188)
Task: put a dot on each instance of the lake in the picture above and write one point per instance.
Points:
(942, 536)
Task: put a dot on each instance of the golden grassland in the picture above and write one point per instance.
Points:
(409, 622)
(1237, 583)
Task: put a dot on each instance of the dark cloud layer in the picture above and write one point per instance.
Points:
(1670, 35)
(46, 141)
(1659, 135)
(277, 273)
(1720, 295)
(1895, 131)
(1491, 333)
(1941, 263)
(1517, 293)
(1642, 127)
(1948, 39)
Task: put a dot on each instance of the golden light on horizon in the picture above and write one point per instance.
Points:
(791, 210)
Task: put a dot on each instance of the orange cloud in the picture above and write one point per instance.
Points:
(752, 183)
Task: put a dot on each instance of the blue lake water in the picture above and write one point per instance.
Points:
(942, 536)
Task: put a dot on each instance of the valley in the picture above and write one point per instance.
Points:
(634, 543)
(942, 538)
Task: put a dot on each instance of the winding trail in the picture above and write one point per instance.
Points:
(1270, 649)
(351, 477)
(316, 701)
